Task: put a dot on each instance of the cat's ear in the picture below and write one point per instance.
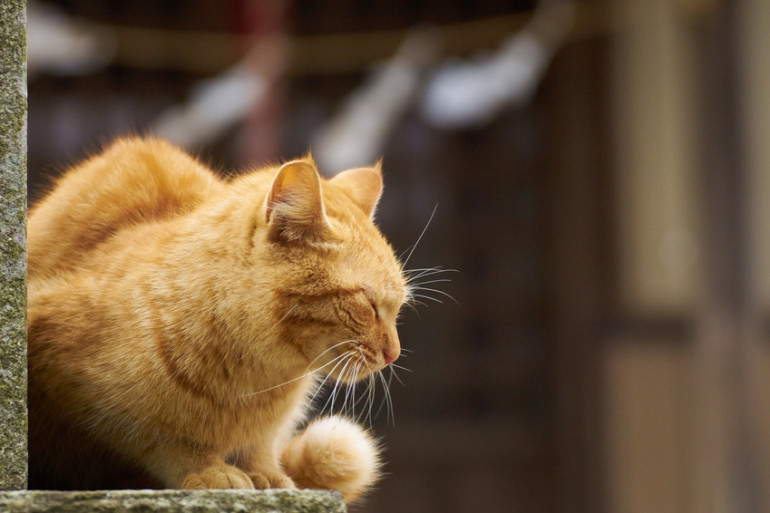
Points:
(363, 185)
(294, 207)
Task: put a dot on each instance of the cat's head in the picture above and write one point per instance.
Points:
(340, 287)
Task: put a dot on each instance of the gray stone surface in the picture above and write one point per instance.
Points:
(171, 501)
(13, 245)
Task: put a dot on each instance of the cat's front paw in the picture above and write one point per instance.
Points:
(264, 480)
(225, 476)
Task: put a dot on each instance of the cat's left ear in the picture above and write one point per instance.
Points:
(363, 185)
(294, 207)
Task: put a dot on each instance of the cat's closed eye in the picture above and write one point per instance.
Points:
(372, 303)
(373, 306)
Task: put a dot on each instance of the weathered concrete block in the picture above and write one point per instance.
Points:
(173, 501)
(13, 245)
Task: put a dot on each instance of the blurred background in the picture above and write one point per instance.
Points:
(600, 174)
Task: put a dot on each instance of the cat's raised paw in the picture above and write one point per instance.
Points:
(264, 480)
(218, 477)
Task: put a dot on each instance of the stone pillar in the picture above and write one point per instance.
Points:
(13, 245)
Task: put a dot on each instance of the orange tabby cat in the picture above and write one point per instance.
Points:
(178, 321)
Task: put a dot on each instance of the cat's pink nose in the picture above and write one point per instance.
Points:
(391, 355)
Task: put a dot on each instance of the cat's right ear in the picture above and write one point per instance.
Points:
(294, 207)
(363, 185)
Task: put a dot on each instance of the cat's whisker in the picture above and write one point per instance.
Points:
(428, 297)
(437, 291)
(337, 384)
(386, 401)
(285, 316)
(414, 287)
(393, 374)
(411, 278)
(330, 400)
(370, 397)
(351, 364)
(350, 388)
(342, 359)
(354, 402)
(400, 367)
(423, 269)
(389, 401)
(362, 397)
(435, 268)
(360, 364)
(416, 274)
(326, 378)
(309, 365)
(420, 237)
(421, 283)
(371, 391)
(431, 270)
(382, 403)
(410, 302)
(345, 386)
(339, 359)
(390, 384)
(303, 376)
(348, 353)
(349, 392)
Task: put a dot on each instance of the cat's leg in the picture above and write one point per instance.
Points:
(190, 468)
(263, 469)
(260, 459)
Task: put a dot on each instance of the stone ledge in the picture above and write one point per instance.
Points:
(171, 501)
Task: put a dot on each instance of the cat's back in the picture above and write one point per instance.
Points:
(136, 180)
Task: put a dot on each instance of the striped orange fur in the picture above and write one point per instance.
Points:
(178, 320)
